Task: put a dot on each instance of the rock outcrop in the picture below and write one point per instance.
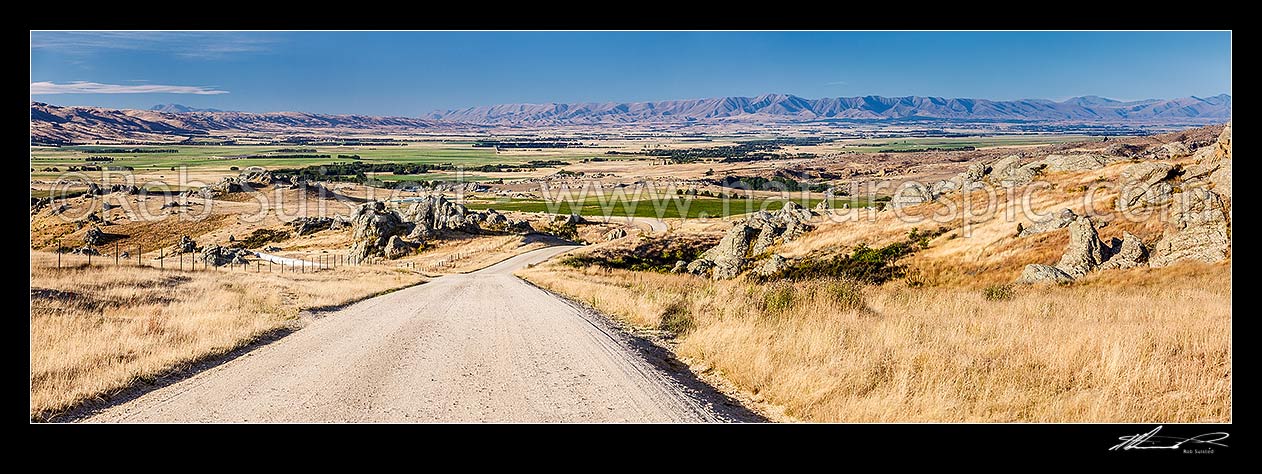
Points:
(311, 225)
(94, 236)
(1055, 221)
(1144, 184)
(1129, 252)
(615, 234)
(750, 238)
(771, 266)
(215, 256)
(520, 227)
(1197, 230)
(372, 225)
(1213, 166)
(1085, 251)
(1080, 162)
(1009, 172)
(434, 213)
(397, 248)
(911, 193)
(1037, 273)
(186, 245)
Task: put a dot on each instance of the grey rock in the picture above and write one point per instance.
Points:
(680, 267)
(1042, 274)
(94, 190)
(1009, 172)
(615, 234)
(699, 266)
(434, 214)
(1085, 251)
(1079, 162)
(186, 245)
(520, 227)
(311, 225)
(1129, 252)
(1197, 230)
(771, 266)
(94, 236)
(910, 194)
(397, 248)
(1055, 221)
(372, 225)
(1143, 183)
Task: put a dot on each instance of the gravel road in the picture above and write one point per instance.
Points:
(479, 347)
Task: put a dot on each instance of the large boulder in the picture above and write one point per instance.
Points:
(1197, 230)
(520, 227)
(1144, 183)
(1213, 166)
(910, 194)
(1129, 252)
(1080, 162)
(434, 213)
(215, 256)
(1055, 221)
(699, 266)
(1042, 274)
(94, 236)
(311, 225)
(372, 225)
(94, 190)
(752, 237)
(1009, 172)
(771, 266)
(1085, 251)
(186, 245)
(1171, 150)
(728, 257)
(397, 248)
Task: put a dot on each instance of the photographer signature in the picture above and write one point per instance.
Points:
(1151, 440)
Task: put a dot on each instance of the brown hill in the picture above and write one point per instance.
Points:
(60, 125)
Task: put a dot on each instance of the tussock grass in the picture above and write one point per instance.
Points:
(98, 330)
(1127, 346)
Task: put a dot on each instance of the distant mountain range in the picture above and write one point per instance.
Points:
(179, 109)
(168, 122)
(54, 124)
(784, 107)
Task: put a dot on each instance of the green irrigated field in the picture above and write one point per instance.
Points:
(211, 158)
(665, 208)
(872, 145)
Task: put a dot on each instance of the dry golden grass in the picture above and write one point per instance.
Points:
(98, 330)
(1127, 346)
(1140, 345)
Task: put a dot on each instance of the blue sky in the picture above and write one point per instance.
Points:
(412, 73)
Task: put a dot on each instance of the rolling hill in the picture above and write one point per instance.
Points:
(54, 124)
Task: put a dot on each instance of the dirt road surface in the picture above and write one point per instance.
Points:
(479, 347)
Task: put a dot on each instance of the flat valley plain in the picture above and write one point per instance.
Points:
(948, 339)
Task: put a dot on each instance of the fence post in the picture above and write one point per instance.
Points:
(181, 261)
(162, 253)
(115, 252)
(59, 254)
(89, 259)
(139, 250)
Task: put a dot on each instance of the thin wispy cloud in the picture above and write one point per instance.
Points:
(184, 44)
(84, 87)
(837, 83)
